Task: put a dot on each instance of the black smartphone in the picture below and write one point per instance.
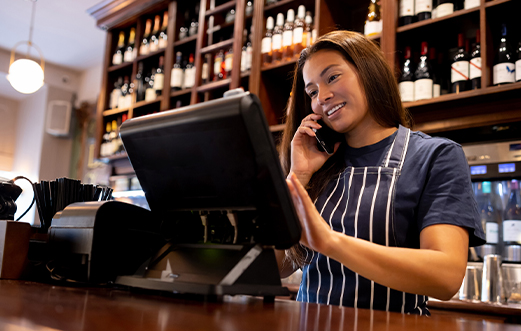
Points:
(327, 138)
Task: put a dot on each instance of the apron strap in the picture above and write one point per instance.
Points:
(396, 153)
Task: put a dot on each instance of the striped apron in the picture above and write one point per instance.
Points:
(360, 203)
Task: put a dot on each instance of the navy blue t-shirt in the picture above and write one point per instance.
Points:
(434, 186)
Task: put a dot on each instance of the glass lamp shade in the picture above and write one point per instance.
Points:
(26, 76)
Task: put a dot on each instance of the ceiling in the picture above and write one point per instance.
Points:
(66, 34)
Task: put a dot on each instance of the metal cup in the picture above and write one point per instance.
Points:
(471, 288)
(492, 282)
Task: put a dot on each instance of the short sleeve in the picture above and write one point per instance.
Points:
(447, 197)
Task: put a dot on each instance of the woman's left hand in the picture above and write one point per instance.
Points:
(316, 233)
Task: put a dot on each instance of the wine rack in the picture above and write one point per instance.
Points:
(488, 105)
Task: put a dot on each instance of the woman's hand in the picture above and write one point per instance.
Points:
(316, 233)
(306, 158)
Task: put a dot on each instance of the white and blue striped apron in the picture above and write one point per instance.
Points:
(360, 203)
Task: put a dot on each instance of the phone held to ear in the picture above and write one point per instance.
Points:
(327, 138)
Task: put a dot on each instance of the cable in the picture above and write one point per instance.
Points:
(34, 195)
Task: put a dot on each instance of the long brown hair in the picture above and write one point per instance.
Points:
(383, 101)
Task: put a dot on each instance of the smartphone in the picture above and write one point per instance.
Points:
(327, 138)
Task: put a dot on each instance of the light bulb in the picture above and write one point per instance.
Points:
(25, 76)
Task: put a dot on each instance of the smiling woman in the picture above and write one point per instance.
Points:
(388, 218)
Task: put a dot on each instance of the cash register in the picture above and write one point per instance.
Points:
(218, 201)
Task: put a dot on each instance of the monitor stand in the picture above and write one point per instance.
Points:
(211, 270)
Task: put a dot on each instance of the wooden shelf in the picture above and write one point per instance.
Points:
(495, 3)
(120, 66)
(279, 65)
(464, 95)
(246, 74)
(143, 57)
(222, 8)
(115, 111)
(224, 25)
(278, 4)
(181, 92)
(185, 40)
(216, 47)
(436, 20)
(146, 103)
(214, 85)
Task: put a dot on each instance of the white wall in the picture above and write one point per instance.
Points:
(8, 120)
(90, 84)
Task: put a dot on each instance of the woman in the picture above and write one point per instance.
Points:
(388, 218)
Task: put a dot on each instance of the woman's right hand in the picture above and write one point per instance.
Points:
(306, 158)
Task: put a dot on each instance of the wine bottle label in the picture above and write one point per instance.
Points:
(297, 35)
(491, 232)
(518, 70)
(121, 102)
(117, 59)
(471, 3)
(228, 62)
(407, 91)
(159, 80)
(406, 8)
(266, 45)
(372, 27)
(503, 73)
(177, 78)
(153, 46)
(444, 9)
(189, 77)
(144, 49)
(287, 38)
(436, 90)
(114, 98)
(249, 56)
(277, 42)
(204, 74)
(162, 43)
(243, 61)
(150, 94)
(421, 6)
(512, 231)
(459, 71)
(128, 56)
(217, 66)
(475, 68)
(423, 89)
(128, 100)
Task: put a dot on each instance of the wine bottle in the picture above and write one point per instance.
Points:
(307, 36)
(228, 62)
(113, 138)
(194, 24)
(189, 74)
(266, 42)
(407, 15)
(249, 8)
(159, 77)
(406, 84)
(298, 31)
(504, 67)
(122, 101)
(144, 49)
(130, 51)
(489, 218)
(140, 83)
(217, 64)
(472, 3)
(150, 92)
(373, 23)
(117, 58)
(183, 30)
(512, 219)
(115, 94)
(154, 39)
(423, 76)
(176, 80)
(104, 143)
(276, 43)
(436, 84)
(443, 8)
(163, 37)
(243, 51)
(423, 9)
(287, 36)
(459, 77)
(205, 70)
(518, 62)
(230, 16)
(475, 64)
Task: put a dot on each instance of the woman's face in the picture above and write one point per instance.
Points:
(334, 88)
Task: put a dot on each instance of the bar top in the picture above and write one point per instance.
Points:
(28, 305)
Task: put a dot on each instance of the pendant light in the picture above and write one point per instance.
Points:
(25, 75)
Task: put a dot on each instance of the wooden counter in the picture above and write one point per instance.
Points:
(35, 306)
